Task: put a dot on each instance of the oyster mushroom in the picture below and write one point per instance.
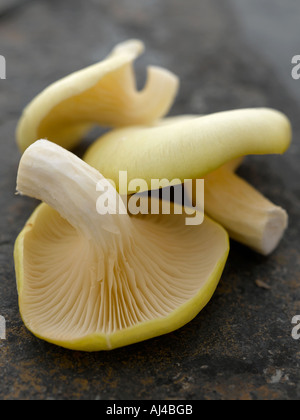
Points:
(103, 94)
(212, 147)
(91, 282)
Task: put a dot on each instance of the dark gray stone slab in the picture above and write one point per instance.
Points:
(240, 346)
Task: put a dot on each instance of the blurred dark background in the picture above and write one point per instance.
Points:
(232, 54)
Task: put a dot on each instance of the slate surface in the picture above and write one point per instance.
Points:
(240, 346)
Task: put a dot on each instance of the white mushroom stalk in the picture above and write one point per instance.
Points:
(93, 282)
(249, 217)
(63, 181)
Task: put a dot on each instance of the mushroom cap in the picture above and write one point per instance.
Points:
(149, 278)
(102, 94)
(189, 148)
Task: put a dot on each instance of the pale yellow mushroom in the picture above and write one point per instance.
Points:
(103, 94)
(188, 148)
(91, 281)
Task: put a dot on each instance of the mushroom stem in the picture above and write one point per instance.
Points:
(248, 216)
(49, 173)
